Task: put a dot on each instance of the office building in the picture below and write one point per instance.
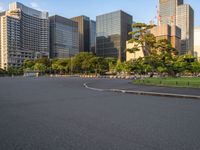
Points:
(170, 33)
(176, 13)
(167, 11)
(84, 32)
(24, 35)
(112, 34)
(197, 42)
(93, 36)
(185, 21)
(1, 14)
(64, 37)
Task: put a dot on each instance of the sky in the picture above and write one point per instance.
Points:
(141, 10)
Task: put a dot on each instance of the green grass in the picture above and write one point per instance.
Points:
(172, 82)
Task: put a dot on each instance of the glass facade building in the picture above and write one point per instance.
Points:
(185, 21)
(64, 37)
(84, 32)
(112, 34)
(92, 36)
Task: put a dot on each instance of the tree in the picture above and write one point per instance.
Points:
(28, 64)
(40, 67)
(61, 65)
(179, 65)
(2, 72)
(99, 65)
(15, 71)
(167, 56)
(81, 62)
(119, 66)
(195, 67)
(142, 38)
(188, 59)
(111, 62)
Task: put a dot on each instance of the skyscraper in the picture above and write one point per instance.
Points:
(1, 14)
(185, 21)
(176, 13)
(167, 11)
(64, 37)
(112, 34)
(84, 32)
(171, 33)
(24, 35)
(92, 36)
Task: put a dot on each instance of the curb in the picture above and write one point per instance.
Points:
(142, 92)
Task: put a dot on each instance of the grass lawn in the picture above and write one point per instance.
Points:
(174, 82)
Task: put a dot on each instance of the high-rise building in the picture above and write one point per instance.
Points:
(64, 37)
(185, 21)
(167, 11)
(112, 34)
(24, 35)
(84, 32)
(92, 36)
(197, 42)
(1, 14)
(170, 33)
(176, 13)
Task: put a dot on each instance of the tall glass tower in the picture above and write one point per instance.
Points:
(92, 36)
(185, 21)
(84, 32)
(64, 37)
(112, 34)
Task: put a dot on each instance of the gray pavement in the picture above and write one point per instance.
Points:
(60, 114)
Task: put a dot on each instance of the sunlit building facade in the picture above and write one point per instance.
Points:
(24, 35)
(167, 11)
(176, 13)
(170, 33)
(136, 54)
(1, 14)
(197, 42)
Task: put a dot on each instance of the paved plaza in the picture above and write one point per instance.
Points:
(61, 114)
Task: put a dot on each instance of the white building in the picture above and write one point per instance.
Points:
(197, 42)
(135, 55)
(24, 35)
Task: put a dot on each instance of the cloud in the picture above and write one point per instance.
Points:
(1, 7)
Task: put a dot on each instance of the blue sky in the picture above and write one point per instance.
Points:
(141, 10)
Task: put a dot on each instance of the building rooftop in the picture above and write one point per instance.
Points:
(28, 10)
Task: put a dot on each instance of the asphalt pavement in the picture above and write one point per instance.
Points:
(61, 114)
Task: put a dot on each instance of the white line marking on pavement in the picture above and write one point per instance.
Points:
(142, 92)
